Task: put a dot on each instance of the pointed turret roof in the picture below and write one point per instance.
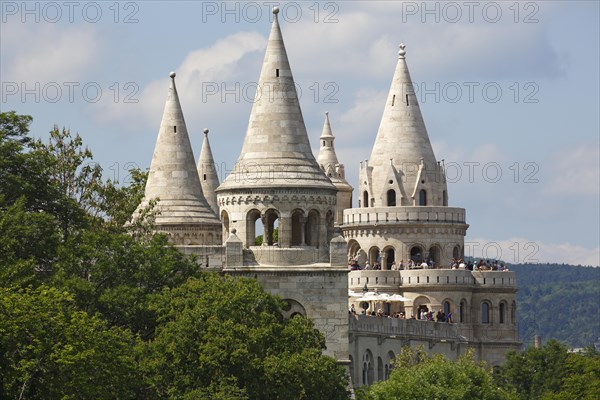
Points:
(402, 136)
(207, 173)
(173, 177)
(276, 150)
(328, 160)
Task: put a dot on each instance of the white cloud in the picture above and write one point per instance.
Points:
(220, 66)
(46, 53)
(575, 171)
(518, 250)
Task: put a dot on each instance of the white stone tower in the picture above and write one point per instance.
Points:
(184, 213)
(207, 172)
(403, 200)
(277, 182)
(329, 163)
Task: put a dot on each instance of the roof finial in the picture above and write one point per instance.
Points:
(172, 74)
(206, 131)
(402, 52)
(275, 10)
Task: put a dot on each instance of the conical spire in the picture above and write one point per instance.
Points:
(207, 172)
(276, 149)
(173, 177)
(402, 138)
(329, 163)
(327, 154)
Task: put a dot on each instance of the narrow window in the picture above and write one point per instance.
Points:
(485, 313)
(277, 72)
(393, 100)
(204, 176)
(502, 311)
(175, 129)
(422, 197)
(406, 99)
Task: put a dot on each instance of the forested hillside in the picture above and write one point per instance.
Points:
(558, 301)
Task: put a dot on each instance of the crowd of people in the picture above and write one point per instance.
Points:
(424, 315)
(481, 265)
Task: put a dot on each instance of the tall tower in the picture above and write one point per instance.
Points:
(277, 184)
(173, 180)
(403, 200)
(329, 163)
(207, 173)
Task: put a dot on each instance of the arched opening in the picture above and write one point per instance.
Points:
(353, 248)
(251, 227)
(225, 223)
(329, 220)
(456, 252)
(373, 256)
(444, 198)
(298, 221)
(390, 363)
(422, 197)
(270, 224)
(485, 312)
(420, 306)
(513, 311)
(416, 254)
(463, 312)
(380, 371)
(447, 308)
(390, 255)
(501, 312)
(391, 198)
(365, 199)
(367, 372)
(435, 255)
(312, 228)
(292, 308)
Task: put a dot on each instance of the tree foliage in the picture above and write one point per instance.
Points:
(550, 372)
(417, 376)
(93, 305)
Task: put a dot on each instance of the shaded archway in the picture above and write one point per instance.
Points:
(391, 198)
(270, 223)
(389, 257)
(485, 312)
(251, 228)
(373, 255)
(367, 370)
(456, 254)
(365, 199)
(435, 254)
(225, 223)
(422, 197)
(298, 221)
(416, 254)
(462, 313)
(380, 371)
(502, 312)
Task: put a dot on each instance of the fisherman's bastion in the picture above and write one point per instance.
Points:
(389, 258)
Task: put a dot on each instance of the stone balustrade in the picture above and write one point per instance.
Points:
(403, 215)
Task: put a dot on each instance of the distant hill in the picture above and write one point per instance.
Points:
(558, 301)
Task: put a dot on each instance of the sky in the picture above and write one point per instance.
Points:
(509, 92)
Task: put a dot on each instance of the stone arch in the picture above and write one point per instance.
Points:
(389, 257)
(486, 314)
(329, 222)
(463, 314)
(251, 217)
(420, 303)
(313, 223)
(225, 223)
(353, 248)
(513, 312)
(367, 368)
(502, 307)
(374, 254)
(435, 253)
(292, 308)
(270, 219)
(391, 198)
(298, 225)
(456, 253)
(391, 359)
(422, 197)
(416, 253)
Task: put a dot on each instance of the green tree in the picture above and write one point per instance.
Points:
(551, 373)
(417, 376)
(50, 350)
(222, 337)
